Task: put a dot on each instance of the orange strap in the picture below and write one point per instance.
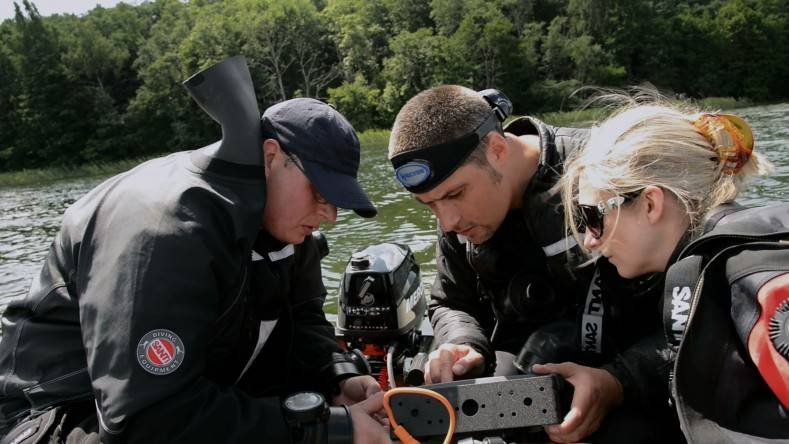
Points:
(399, 430)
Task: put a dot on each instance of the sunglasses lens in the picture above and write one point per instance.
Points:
(592, 220)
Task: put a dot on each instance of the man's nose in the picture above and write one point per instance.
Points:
(448, 216)
(328, 212)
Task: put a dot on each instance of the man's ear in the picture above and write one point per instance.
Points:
(654, 202)
(270, 150)
(496, 149)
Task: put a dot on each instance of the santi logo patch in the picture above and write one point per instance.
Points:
(160, 352)
(680, 309)
(592, 320)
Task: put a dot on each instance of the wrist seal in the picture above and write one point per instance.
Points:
(312, 421)
(307, 415)
(340, 426)
(343, 366)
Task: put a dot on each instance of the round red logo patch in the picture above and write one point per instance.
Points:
(160, 352)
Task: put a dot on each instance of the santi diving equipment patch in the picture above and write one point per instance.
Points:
(160, 352)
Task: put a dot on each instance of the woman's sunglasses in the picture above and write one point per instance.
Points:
(592, 218)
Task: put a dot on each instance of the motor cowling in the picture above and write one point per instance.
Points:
(381, 296)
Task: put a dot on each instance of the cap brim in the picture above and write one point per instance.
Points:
(341, 190)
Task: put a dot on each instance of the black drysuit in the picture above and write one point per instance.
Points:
(153, 305)
(725, 316)
(469, 296)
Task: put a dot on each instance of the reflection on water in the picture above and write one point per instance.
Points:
(771, 130)
(29, 220)
(29, 217)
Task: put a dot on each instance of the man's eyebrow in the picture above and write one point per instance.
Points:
(420, 200)
(443, 196)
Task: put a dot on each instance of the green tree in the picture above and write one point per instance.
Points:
(8, 90)
(361, 32)
(573, 54)
(447, 15)
(556, 60)
(106, 84)
(316, 60)
(592, 64)
(161, 114)
(359, 103)
(752, 31)
(51, 117)
(413, 66)
(525, 68)
(589, 17)
(126, 27)
(408, 15)
(485, 40)
(287, 41)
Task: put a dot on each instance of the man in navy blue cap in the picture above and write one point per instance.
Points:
(324, 149)
(182, 301)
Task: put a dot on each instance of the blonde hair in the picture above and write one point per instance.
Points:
(651, 141)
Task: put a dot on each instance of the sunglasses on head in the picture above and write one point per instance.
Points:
(592, 217)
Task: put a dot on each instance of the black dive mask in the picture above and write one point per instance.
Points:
(518, 294)
(530, 298)
(422, 169)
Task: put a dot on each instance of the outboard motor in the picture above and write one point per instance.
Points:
(382, 312)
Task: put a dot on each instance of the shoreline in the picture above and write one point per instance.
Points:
(369, 139)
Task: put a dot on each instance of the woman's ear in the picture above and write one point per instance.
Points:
(270, 150)
(654, 202)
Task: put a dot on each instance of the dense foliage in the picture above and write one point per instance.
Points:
(106, 85)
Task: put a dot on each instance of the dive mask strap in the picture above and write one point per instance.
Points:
(420, 170)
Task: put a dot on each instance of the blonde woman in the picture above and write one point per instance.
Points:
(654, 191)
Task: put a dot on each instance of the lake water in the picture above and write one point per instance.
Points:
(30, 216)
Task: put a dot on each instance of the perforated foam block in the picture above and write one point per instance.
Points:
(484, 404)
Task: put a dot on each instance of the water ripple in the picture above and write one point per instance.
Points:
(30, 216)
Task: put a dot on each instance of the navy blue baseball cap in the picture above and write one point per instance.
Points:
(327, 146)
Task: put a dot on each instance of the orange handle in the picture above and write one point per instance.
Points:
(399, 430)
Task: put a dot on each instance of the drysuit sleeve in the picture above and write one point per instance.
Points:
(314, 340)
(759, 283)
(643, 370)
(768, 341)
(149, 281)
(455, 307)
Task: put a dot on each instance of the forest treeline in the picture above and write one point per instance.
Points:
(106, 85)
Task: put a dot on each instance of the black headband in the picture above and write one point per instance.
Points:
(422, 169)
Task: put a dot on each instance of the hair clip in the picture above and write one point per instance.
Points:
(731, 138)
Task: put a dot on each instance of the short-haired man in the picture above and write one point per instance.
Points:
(506, 268)
(182, 300)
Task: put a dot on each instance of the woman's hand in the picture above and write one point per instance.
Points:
(356, 389)
(596, 393)
(367, 426)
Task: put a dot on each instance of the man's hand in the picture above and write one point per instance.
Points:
(451, 361)
(596, 392)
(367, 428)
(356, 389)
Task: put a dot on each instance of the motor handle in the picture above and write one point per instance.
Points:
(415, 376)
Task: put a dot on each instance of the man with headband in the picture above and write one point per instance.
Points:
(509, 275)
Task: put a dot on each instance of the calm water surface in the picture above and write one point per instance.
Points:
(30, 217)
